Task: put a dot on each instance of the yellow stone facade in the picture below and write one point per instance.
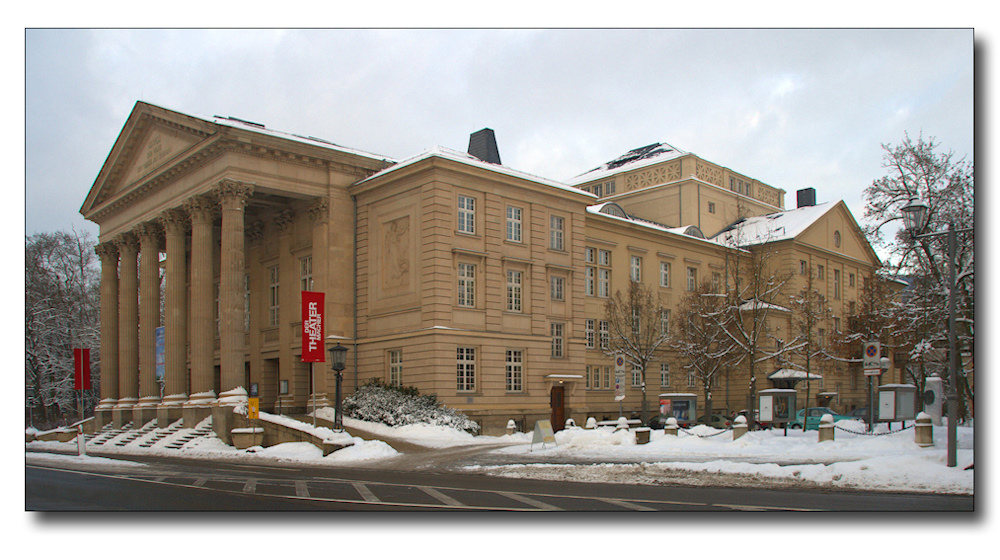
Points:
(468, 280)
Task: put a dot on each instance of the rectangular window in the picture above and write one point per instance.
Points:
(636, 269)
(604, 283)
(850, 279)
(591, 333)
(605, 335)
(556, 231)
(466, 214)
(587, 381)
(716, 282)
(466, 361)
(514, 224)
(306, 273)
(664, 274)
(692, 279)
(609, 188)
(283, 387)
(664, 322)
(636, 376)
(557, 286)
(395, 367)
(515, 371)
(836, 324)
(802, 268)
(711, 208)
(591, 281)
(604, 258)
(599, 190)
(589, 255)
(557, 340)
(692, 380)
(820, 272)
(664, 375)
(836, 284)
(466, 285)
(514, 290)
(607, 377)
(273, 297)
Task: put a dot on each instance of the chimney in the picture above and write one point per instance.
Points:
(483, 145)
(806, 197)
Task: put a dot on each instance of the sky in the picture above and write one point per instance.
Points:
(793, 108)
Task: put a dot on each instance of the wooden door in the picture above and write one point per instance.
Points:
(558, 403)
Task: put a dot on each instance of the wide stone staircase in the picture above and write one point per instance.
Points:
(204, 429)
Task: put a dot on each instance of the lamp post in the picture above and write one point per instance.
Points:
(915, 219)
(338, 360)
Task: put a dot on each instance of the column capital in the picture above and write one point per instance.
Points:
(148, 232)
(107, 251)
(283, 219)
(319, 210)
(127, 242)
(173, 221)
(201, 208)
(232, 193)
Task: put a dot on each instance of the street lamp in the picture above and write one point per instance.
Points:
(915, 219)
(338, 360)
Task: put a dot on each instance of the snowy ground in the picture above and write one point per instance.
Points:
(889, 462)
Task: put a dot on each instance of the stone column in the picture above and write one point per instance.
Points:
(197, 407)
(319, 212)
(288, 300)
(108, 253)
(149, 319)
(128, 329)
(232, 197)
(174, 223)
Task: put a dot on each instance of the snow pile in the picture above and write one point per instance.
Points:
(426, 435)
(399, 407)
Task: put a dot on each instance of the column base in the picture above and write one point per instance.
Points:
(121, 414)
(224, 413)
(197, 408)
(144, 411)
(103, 413)
(170, 410)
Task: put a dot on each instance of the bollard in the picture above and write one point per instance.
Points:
(570, 423)
(670, 428)
(511, 427)
(826, 428)
(81, 442)
(642, 435)
(924, 428)
(739, 427)
(622, 423)
(591, 423)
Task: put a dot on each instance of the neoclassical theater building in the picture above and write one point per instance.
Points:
(447, 271)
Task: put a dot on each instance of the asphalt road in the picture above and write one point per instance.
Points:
(166, 484)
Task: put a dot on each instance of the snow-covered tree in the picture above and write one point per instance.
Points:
(919, 169)
(700, 337)
(636, 324)
(62, 308)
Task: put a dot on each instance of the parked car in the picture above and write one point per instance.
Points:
(715, 420)
(860, 414)
(814, 416)
(657, 422)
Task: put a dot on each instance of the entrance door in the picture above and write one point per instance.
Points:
(558, 403)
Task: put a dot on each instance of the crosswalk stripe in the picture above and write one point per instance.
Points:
(441, 497)
(624, 504)
(251, 486)
(301, 490)
(529, 501)
(365, 492)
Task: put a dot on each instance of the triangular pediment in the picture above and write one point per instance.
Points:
(838, 231)
(151, 140)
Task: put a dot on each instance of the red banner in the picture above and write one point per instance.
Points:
(81, 369)
(312, 327)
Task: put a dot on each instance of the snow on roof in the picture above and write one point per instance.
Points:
(757, 304)
(613, 210)
(462, 157)
(243, 124)
(788, 373)
(633, 159)
(776, 226)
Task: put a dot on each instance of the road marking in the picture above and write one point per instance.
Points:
(159, 479)
(529, 501)
(742, 507)
(624, 504)
(251, 486)
(301, 490)
(365, 492)
(441, 497)
(200, 481)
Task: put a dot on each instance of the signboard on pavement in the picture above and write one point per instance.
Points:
(871, 358)
(542, 434)
(312, 326)
(619, 377)
(253, 408)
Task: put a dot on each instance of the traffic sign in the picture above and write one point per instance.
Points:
(253, 408)
(872, 353)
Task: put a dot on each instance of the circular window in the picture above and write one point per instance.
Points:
(836, 238)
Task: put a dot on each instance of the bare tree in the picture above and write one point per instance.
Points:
(62, 283)
(920, 169)
(810, 311)
(701, 339)
(636, 324)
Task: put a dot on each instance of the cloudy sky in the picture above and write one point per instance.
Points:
(793, 108)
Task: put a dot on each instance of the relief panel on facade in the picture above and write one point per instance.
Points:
(159, 146)
(396, 259)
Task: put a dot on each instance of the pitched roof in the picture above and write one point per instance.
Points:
(633, 159)
(776, 226)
